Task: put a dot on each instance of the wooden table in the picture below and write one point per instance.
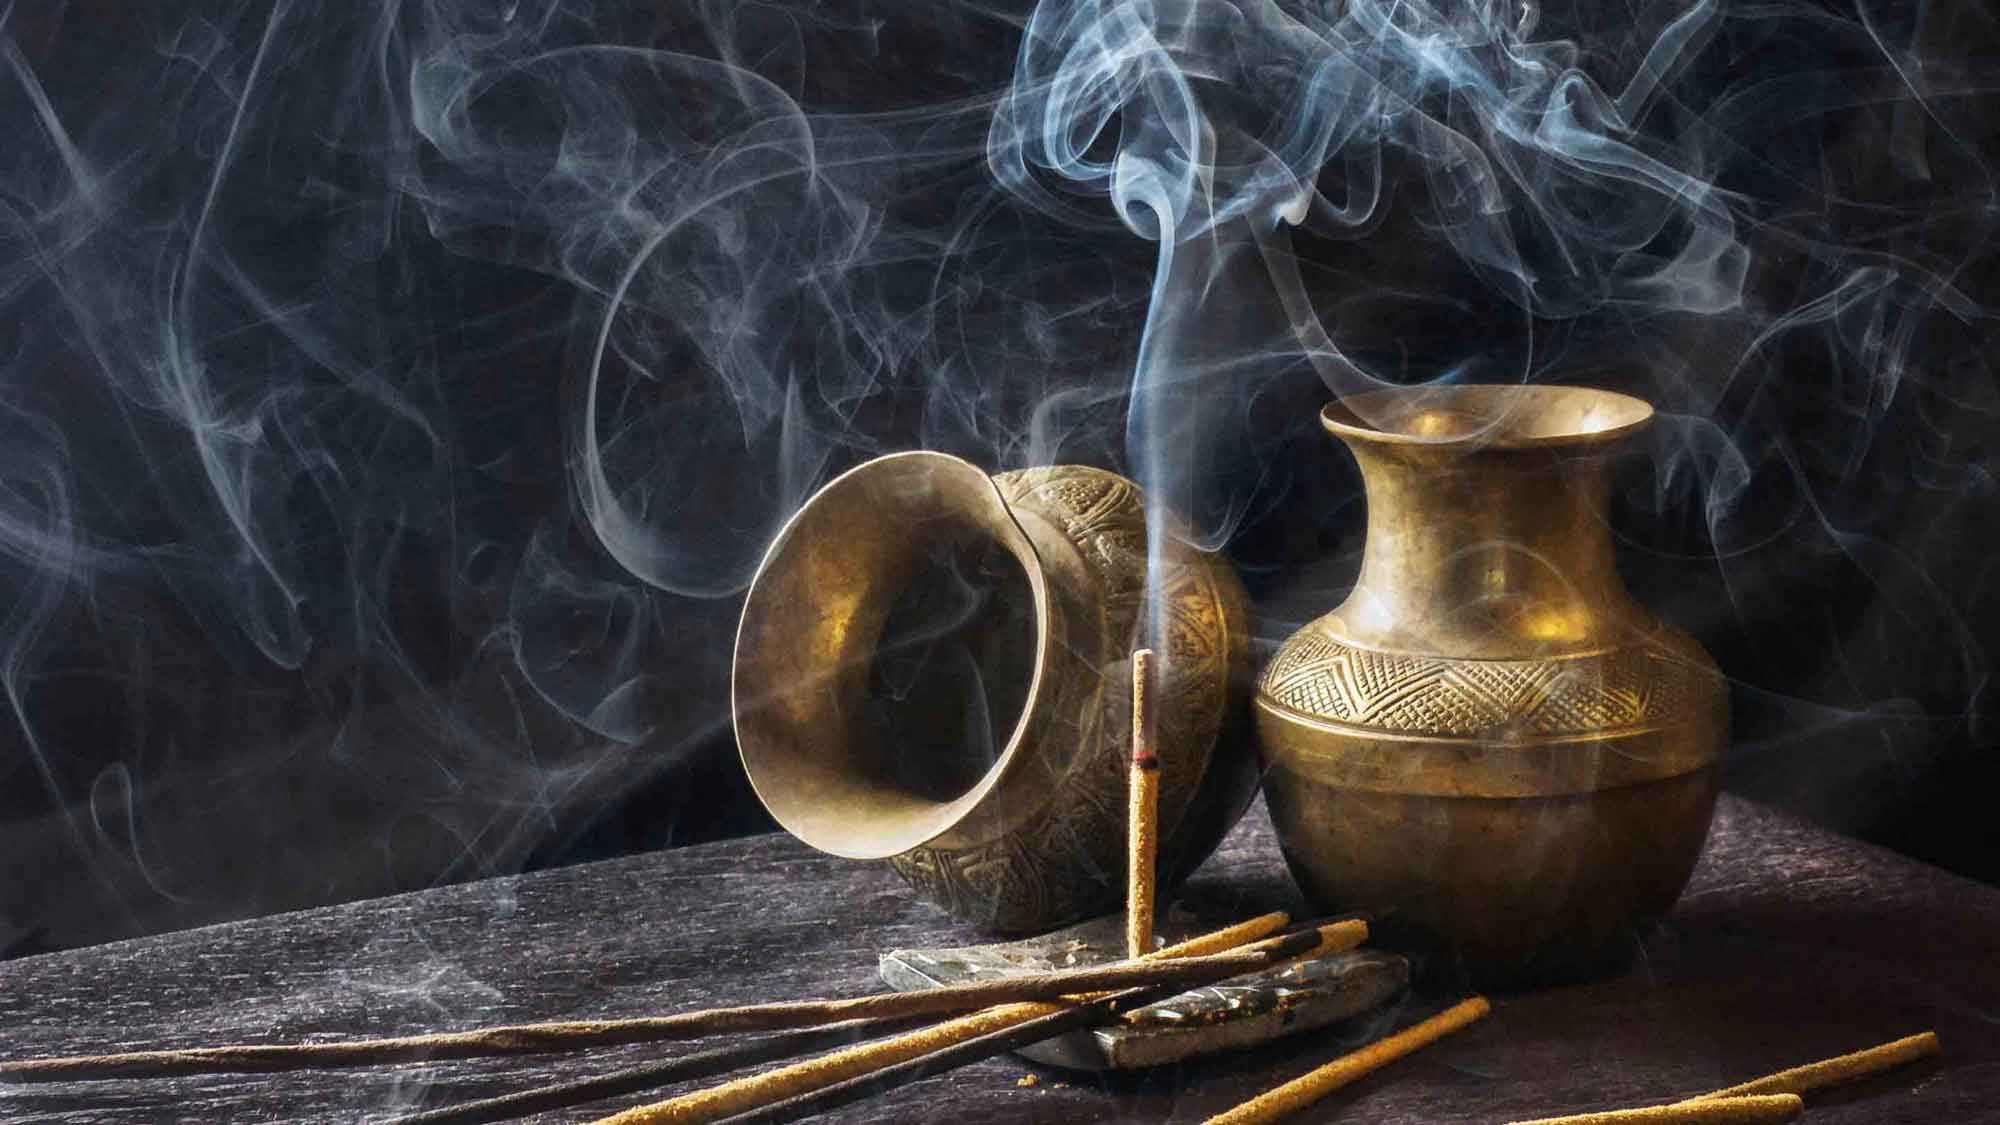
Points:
(1790, 944)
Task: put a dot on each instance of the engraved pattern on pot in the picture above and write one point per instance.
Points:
(1638, 686)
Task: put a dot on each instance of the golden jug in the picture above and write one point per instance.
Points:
(1032, 834)
(1489, 747)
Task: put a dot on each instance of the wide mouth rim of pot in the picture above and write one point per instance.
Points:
(807, 642)
(1503, 416)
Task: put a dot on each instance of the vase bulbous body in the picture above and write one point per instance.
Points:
(1021, 829)
(1489, 747)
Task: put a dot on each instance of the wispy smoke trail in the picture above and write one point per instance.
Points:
(1612, 197)
(397, 397)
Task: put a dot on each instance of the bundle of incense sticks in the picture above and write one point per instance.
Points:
(1004, 1014)
(845, 1076)
(1207, 964)
(786, 1092)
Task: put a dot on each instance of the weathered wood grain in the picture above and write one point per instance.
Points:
(1792, 944)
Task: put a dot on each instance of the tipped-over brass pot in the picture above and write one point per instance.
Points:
(934, 665)
(1489, 746)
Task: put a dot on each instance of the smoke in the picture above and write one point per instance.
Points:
(399, 397)
(1765, 218)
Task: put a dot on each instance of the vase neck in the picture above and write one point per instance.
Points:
(1488, 553)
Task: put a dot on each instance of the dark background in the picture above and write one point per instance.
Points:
(315, 585)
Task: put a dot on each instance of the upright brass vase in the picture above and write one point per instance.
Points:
(1489, 747)
(1034, 836)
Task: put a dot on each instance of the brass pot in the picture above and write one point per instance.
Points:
(998, 791)
(1489, 746)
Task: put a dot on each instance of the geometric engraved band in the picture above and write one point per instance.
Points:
(1664, 681)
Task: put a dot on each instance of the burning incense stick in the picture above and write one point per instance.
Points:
(770, 1087)
(1755, 1109)
(1300, 1092)
(1827, 1072)
(1143, 843)
(546, 1037)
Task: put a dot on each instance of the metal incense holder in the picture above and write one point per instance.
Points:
(1489, 747)
(933, 666)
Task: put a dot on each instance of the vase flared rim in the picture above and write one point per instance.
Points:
(1475, 416)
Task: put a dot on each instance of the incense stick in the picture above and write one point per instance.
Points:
(1334, 937)
(1300, 1092)
(1227, 938)
(761, 1090)
(1841, 1068)
(1753, 1109)
(549, 1037)
(1143, 833)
